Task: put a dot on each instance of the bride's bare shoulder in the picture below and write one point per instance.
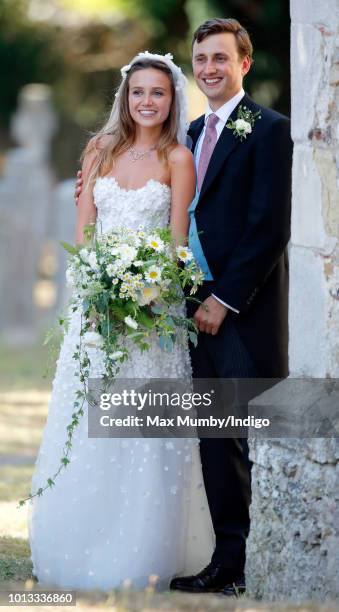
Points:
(93, 148)
(179, 154)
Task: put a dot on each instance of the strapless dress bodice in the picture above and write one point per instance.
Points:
(148, 206)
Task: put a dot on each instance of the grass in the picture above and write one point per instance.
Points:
(22, 415)
(14, 481)
(27, 367)
(25, 378)
(15, 563)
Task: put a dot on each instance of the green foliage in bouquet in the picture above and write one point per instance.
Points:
(128, 286)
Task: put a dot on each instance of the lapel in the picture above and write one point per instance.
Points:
(195, 131)
(227, 142)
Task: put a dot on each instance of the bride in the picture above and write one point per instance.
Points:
(125, 508)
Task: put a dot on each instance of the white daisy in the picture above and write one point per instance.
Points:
(184, 253)
(153, 274)
(155, 243)
(147, 295)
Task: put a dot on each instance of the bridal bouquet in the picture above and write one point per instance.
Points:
(126, 285)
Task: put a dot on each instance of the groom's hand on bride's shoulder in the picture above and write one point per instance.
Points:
(210, 316)
(78, 186)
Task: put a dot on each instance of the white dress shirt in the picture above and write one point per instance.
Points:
(223, 113)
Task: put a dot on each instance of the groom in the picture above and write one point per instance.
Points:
(240, 227)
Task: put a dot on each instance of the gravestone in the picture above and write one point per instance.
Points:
(25, 204)
(64, 230)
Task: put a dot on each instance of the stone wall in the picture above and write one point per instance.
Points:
(314, 321)
(292, 550)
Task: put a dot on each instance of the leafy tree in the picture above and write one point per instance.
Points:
(27, 54)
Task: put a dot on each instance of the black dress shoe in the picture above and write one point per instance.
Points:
(213, 579)
(235, 589)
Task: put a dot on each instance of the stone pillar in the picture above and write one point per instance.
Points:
(292, 550)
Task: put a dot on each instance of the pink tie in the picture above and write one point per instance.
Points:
(207, 148)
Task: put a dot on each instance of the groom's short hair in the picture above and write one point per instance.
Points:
(219, 26)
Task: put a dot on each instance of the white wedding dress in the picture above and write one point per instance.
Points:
(123, 508)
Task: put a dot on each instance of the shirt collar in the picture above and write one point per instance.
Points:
(226, 109)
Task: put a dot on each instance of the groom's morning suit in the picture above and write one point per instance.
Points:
(242, 219)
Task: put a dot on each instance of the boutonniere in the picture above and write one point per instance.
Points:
(244, 123)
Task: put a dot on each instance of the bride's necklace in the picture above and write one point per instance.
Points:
(138, 155)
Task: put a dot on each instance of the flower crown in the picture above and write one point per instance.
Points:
(125, 69)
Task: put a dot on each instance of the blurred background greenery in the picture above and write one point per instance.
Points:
(78, 46)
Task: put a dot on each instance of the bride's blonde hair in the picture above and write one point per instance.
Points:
(116, 137)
